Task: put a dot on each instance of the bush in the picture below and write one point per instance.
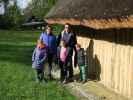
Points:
(57, 28)
(5, 22)
(12, 18)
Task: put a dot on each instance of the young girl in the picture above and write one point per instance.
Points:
(81, 62)
(63, 58)
(38, 59)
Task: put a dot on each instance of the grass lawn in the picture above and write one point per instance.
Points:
(16, 75)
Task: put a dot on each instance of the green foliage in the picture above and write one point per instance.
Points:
(14, 13)
(51, 3)
(39, 8)
(5, 22)
(12, 17)
(57, 28)
(4, 1)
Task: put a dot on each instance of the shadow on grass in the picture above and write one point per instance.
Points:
(16, 53)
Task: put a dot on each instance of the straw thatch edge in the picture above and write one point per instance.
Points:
(103, 23)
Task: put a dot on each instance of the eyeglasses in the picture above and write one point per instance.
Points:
(66, 27)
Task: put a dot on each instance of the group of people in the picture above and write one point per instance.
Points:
(58, 49)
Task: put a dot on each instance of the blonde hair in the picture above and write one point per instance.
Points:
(40, 42)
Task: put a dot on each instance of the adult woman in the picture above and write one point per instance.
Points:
(50, 40)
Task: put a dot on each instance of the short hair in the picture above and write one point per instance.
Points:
(78, 45)
(67, 24)
(48, 26)
(70, 26)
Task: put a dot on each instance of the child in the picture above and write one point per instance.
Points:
(81, 62)
(38, 59)
(63, 59)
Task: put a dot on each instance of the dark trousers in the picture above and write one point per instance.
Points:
(63, 72)
(50, 60)
(75, 56)
(70, 71)
(70, 66)
(39, 74)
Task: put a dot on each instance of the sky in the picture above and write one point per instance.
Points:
(23, 3)
(1, 9)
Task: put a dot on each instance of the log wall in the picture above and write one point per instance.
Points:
(110, 58)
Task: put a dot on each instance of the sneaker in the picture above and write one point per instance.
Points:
(60, 82)
(84, 81)
(64, 82)
(37, 81)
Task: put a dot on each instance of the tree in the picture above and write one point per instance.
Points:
(14, 13)
(39, 8)
(12, 17)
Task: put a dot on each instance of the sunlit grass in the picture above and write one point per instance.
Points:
(16, 75)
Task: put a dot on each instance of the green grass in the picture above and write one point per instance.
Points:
(16, 75)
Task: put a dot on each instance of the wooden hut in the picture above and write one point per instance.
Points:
(105, 30)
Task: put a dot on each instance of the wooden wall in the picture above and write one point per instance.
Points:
(110, 57)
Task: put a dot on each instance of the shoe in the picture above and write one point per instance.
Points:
(79, 81)
(64, 82)
(70, 79)
(84, 81)
(43, 81)
(50, 77)
(37, 81)
(60, 82)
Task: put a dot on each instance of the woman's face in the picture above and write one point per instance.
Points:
(67, 28)
(48, 30)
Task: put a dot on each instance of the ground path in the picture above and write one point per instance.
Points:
(91, 90)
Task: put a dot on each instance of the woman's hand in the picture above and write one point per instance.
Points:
(63, 31)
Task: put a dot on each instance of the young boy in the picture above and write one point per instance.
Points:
(63, 59)
(81, 62)
(38, 59)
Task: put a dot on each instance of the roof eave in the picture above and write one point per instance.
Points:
(108, 23)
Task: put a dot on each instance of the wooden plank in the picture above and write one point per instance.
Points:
(116, 62)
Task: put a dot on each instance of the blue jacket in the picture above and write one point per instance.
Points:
(39, 57)
(50, 41)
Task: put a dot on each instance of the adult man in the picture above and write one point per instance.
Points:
(70, 41)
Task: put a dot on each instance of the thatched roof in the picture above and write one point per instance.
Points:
(96, 14)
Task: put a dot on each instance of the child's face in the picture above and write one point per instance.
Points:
(62, 44)
(78, 47)
(40, 45)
